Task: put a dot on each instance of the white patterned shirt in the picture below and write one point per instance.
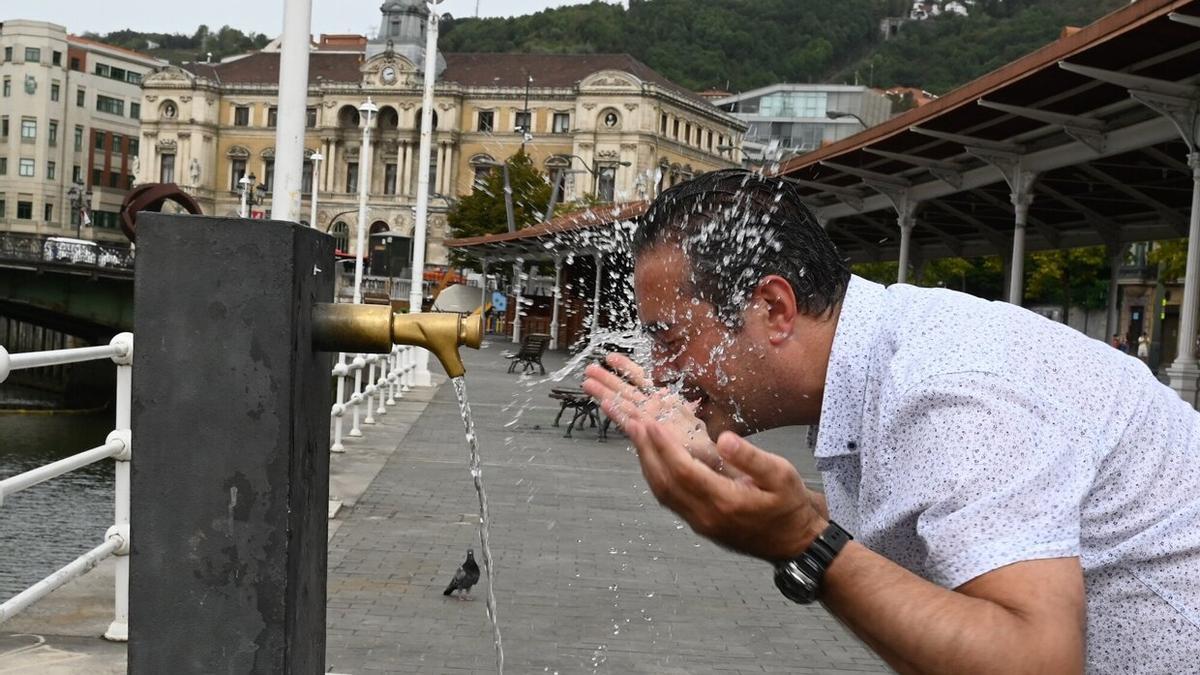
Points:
(959, 435)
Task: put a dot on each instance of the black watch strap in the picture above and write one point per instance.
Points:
(827, 545)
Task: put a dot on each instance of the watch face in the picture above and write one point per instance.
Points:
(389, 74)
(795, 583)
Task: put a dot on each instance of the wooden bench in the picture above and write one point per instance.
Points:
(584, 410)
(530, 354)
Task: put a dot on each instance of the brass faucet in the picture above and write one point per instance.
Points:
(373, 329)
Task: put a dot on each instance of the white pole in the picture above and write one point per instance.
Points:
(293, 98)
(554, 308)
(596, 298)
(366, 111)
(416, 294)
(315, 186)
(245, 183)
(118, 630)
(518, 270)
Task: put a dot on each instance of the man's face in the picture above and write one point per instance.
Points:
(692, 349)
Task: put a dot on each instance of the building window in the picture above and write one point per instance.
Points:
(272, 116)
(389, 179)
(116, 143)
(25, 210)
(341, 236)
(7, 87)
(562, 123)
(675, 130)
(110, 105)
(78, 139)
(28, 131)
(55, 88)
(306, 181)
(269, 175)
(33, 54)
(25, 168)
(114, 179)
(76, 174)
(75, 65)
(662, 123)
(135, 110)
(351, 176)
(487, 121)
(49, 213)
(687, 133)
(80, 97)
(3, 208)
(606, 183)
(4, 126)
(56, 58)
(166, 168)
(524, 121)
(50, 171)
(3, 166)
(97, 177)
(709, 141)
(482, 173)
(7, 54)
(237, 169)
(52, 133)
(99, 144)
(310, 118)
(134, 146)
(241, 116)
(433, 173)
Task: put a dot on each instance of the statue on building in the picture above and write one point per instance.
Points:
(194, 172)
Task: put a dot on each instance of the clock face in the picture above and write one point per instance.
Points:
(389, 74)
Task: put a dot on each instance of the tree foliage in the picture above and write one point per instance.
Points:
(1075, 277)
(483, 211)
(176, 47)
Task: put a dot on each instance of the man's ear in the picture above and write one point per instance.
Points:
(775, 305)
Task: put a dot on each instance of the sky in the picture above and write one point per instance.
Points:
(259, 16)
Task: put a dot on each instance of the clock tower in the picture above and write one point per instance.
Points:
(403, 31)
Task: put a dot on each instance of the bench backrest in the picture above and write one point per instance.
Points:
(534, 344)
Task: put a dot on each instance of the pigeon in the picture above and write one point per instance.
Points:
(466, 576)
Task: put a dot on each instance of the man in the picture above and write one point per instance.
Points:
(1011, 512)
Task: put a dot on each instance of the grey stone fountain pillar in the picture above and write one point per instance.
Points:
(230, 479)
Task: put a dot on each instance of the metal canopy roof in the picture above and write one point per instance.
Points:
(583, 233)
(1109, 169)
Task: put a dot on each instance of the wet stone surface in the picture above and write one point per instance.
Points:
(592, 575)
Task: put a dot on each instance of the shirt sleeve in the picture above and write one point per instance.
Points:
(993, 479)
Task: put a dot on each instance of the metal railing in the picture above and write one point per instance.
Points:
(386, 377)
(118, 446)
(46, 249)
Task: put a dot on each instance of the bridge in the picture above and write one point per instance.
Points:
(79, 288)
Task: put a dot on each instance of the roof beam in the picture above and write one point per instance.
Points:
(1086, 130)
(849, 197)
(1110, 231)
(970, 142)
(1048, 233)
(1185, 19)
(1135, 83)
(991, 234)
(868, 175)
(1171, 216)
(945, 171)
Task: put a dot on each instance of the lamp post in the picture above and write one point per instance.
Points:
(247, 183)
(838, 114)
(421, 224)
(80, 197)
(316, 158)
(366, 113)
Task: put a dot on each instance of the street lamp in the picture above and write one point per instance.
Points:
(838, 114)
(366, 114)
(247, 183)
(316, 158)
(80, 197)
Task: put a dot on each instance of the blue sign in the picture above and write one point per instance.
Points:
(499, 301)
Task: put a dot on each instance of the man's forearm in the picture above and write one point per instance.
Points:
(919, 627)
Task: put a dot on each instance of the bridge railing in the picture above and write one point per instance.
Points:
(118, 446)
(47, 249)
(378, 379)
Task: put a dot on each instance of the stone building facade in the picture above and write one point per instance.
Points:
(604, 124)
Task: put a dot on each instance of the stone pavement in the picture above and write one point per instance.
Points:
(592, 575)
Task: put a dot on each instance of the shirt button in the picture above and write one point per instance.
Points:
(852, 445)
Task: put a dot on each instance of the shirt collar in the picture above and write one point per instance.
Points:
(849, 370)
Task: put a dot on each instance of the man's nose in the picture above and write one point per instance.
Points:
(663, 373)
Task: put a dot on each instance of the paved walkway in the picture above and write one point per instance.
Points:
(592, 575)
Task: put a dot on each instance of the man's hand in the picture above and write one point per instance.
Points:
(746, 499)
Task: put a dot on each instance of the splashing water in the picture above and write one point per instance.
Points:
(460, 390)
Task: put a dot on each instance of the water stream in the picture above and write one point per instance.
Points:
(460, 390)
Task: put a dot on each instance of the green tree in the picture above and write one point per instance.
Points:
(1171, 258)
(1076, 277)
(483, 211)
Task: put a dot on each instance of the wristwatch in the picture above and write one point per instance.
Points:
(800, 578)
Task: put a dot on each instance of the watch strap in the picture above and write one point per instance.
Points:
(827, 545)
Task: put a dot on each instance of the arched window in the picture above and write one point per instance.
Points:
(379, 226)
(417, 120)
(482, 164)
(348, 117)
(388, 118)
(341, 236)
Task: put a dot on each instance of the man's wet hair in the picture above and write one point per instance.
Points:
(736, 227)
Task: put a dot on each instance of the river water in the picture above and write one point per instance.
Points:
(49, 525)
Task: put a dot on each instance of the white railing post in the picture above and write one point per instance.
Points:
(356, 398)
(381, 382)
(118, 630)
(339, 408)
(393, 363)
(410, 368)
(369, 389)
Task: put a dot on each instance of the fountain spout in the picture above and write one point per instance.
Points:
(342, 327)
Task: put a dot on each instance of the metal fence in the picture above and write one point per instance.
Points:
(118, 446)
(386, 377)
(39, 248)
